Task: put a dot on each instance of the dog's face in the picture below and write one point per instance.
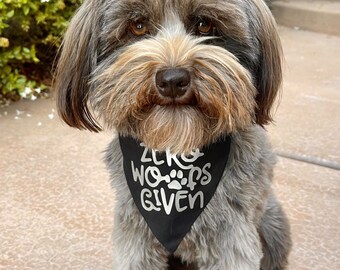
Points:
(175, 74)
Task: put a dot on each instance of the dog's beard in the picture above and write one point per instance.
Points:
(179, 129)
(221, 100)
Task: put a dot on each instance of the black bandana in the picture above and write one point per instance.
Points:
(172, 191)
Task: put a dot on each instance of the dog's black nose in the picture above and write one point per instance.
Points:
(173, 82)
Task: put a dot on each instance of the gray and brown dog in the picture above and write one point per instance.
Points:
(178, 75)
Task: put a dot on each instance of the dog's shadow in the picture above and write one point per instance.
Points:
(175, 264)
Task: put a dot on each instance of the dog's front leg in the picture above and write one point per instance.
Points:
(233, 247)
(135, 249)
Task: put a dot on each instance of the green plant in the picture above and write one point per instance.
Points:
(30, 32)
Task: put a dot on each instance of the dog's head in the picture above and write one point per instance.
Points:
(175, 74)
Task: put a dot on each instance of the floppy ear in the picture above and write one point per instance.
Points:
(78, 56)
(269, 73)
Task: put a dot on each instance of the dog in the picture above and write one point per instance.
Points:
(179, 81)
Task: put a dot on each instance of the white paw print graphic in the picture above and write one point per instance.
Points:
(178, 180)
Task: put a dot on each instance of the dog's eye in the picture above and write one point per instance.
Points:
(204, 26)
(139, 28)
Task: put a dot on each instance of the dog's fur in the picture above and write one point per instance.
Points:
(106, 73)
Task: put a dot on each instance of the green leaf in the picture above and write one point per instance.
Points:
(10, 14)
(26, 50)
(26, 10)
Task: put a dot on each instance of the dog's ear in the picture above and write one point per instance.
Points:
(269, 72)
(78, 56)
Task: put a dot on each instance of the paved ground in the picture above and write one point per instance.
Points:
(56, 202)
(321, 16)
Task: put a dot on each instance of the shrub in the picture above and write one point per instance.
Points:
(30, 32)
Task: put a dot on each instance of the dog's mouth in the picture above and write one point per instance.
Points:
(189, 99)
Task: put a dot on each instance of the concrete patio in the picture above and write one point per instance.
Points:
(56, 201)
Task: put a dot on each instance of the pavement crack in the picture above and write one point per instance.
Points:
(309, 159)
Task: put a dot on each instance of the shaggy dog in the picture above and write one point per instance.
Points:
(181, 80)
